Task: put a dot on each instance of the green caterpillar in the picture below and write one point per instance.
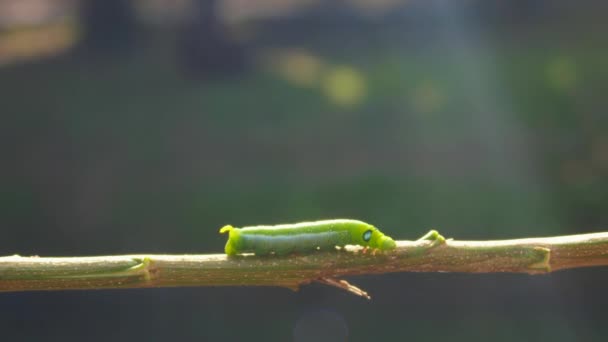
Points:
(304, 237)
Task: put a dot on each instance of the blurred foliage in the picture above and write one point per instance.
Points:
(497, 135)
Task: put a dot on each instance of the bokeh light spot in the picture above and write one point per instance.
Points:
(344, 86)
(37, 42)
(300, 67)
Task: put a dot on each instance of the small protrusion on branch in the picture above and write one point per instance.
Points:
(434, 237)
(544, 263)
(143, 267)
(344, 285)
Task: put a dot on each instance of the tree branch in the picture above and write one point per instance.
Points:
(431, 253)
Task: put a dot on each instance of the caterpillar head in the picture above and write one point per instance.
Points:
(370, 236)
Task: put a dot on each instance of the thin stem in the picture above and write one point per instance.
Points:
(429, 254)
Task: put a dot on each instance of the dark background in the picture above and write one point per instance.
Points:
(144, 126)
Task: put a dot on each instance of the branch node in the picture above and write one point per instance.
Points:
(543, 264)
(143, 267)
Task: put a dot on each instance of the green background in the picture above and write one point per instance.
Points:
(483, 125)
